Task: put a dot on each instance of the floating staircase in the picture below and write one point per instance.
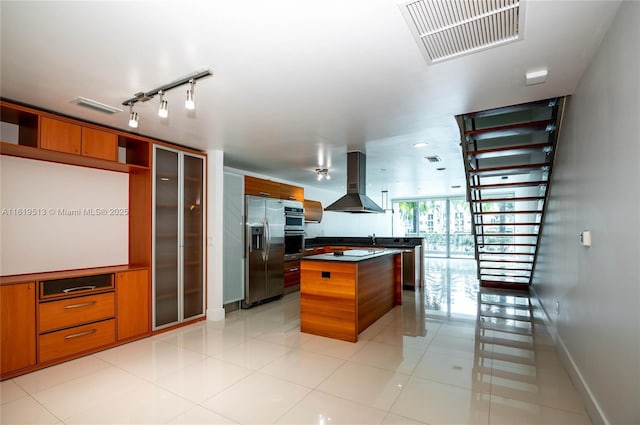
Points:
(508, 154)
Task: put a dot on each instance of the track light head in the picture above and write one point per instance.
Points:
(323, 173)
(163, 111)
(133, 117)
(190, 104)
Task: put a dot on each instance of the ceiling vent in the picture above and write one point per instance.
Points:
(95, 105)
(434, 158)
(445, 29)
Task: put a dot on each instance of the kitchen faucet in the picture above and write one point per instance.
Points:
(373, 239)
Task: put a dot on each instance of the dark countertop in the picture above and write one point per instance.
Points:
(346, 258)
(385, 242)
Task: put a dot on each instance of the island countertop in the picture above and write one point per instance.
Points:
(352, 255)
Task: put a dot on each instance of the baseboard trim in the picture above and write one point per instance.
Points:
(215, 314)
(595, 412)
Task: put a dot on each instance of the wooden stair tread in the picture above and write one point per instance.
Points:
(515, 199)
(508, 224)
(485, 234)
(509, 130)
(505, 254)
(503, 185)
(507, 150)
(495, 171)
(508, 244)
(506, 261)
(501, 284)
(506, 212)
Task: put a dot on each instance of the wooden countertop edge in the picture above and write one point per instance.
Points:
(32, 277)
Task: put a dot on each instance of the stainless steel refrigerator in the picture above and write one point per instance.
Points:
(264, 277)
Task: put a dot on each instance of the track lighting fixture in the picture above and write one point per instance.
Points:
(163, 110)
(323, 173)
(189, 104)
(133, 117)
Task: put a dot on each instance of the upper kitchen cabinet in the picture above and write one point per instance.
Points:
(66, 137)
(293, 193)
(261, 187)
(99, 144)
(271, 189)
(178, 236)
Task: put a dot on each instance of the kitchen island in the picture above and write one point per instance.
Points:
(341, 295)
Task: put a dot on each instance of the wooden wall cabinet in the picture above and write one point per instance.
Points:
(261, 187)
(270, 189)
(17, 327)
(62, 136)
(132, 301)
(99, 144)
(293, 193)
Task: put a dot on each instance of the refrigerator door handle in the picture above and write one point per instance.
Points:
(267, 232)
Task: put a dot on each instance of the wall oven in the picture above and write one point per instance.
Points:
(293, 230)
(293, 216)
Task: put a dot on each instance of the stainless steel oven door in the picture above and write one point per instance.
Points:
(294, 222)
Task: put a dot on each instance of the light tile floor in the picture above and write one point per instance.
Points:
(423, 362)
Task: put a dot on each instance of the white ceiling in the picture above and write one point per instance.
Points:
(296, 84)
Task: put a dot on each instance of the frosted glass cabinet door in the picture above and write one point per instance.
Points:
(193, 236)
(166, 252)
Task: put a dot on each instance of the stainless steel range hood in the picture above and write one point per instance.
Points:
(356, 200)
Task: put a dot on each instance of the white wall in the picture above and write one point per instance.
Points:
(345, 224)
(61, 217)
(596, 186)
(215, 232)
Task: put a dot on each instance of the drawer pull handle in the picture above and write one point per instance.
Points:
(89, 332)
(80, 305)
(79, 288)
(295, 269)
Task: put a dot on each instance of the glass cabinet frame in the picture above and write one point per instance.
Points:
(179, 236)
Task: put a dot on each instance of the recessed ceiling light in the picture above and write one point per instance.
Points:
(537, 76)
(420, 144)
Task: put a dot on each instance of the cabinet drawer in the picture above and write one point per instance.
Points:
(75, 311)
(291, 273)
(76, 340)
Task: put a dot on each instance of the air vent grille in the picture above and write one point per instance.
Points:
(434, 158)
(95, 105)
(445, 29)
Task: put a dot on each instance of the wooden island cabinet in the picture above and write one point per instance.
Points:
(342, 295)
